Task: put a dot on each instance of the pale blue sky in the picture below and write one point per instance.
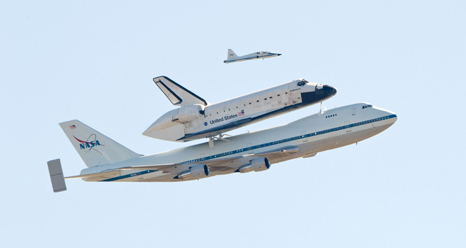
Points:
(95, 60)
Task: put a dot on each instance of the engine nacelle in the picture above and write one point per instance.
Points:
(197, 171)
(189, 113)
(257, 164)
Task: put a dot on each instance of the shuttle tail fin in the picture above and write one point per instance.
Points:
(94, 147)
(177, 94)
(231, 55)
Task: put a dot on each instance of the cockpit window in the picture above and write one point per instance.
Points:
(366, 106)
(302, 82)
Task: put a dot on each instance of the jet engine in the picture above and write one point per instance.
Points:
(197, 171)
(257, 164)
(189, 113)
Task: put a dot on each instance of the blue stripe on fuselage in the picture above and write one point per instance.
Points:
(264, 145)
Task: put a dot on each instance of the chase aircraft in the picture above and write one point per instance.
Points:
(232, 57)
(108, 161)
(196, 119)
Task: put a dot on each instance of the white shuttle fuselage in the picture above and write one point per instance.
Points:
(197, 119)
(232, 57)
(109, 161)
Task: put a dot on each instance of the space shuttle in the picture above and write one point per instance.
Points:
(232, 57)
(196, 118)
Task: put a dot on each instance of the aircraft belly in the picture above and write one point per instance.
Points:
(167, 177)
(170, 177)
(129, 176)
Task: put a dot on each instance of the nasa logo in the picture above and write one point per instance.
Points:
(89, 144)
(205, 124)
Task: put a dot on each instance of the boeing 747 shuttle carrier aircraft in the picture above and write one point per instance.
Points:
(196, 119)
(108, 161)
(232, 57)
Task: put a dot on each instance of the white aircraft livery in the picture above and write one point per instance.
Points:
(196, 119)
(108, 161)
(232, 57)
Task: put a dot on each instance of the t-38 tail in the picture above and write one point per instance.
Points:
(231, 55)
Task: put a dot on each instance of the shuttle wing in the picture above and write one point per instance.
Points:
(177, 94)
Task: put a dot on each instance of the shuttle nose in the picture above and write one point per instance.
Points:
(329, 90)
(320, 93)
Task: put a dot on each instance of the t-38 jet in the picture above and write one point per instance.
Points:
(196, 119)
(232, 57)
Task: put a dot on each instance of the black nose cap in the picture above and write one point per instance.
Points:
(329, 90)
